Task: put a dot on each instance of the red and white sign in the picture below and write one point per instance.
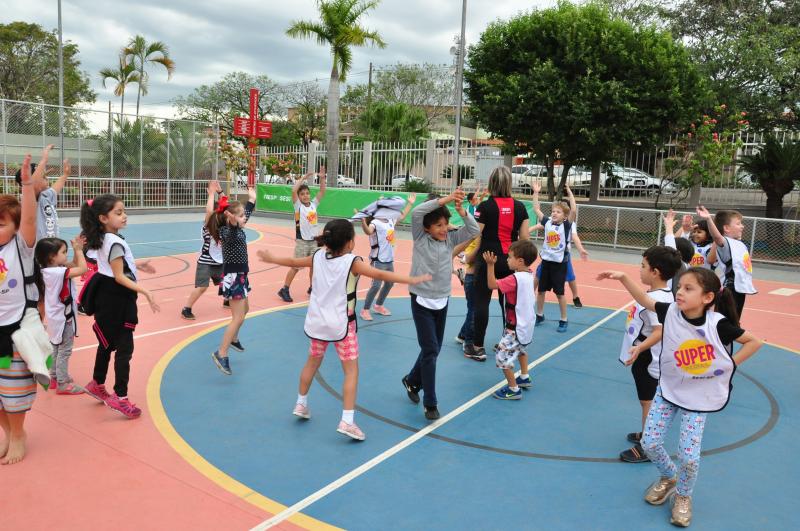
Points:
(252, 128)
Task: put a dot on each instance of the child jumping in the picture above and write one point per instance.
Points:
(331, 312)
(696, 369)
(381, 256)
(520, 316)
(60, 306)
(111, 298)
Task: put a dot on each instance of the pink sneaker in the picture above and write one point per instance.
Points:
(301, 411)
(53, 384)
(124, 406)
(351, 430)
(381, 310)
(97, 391)
(69, 389)
(366, 315)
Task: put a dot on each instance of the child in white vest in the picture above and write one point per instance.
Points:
(695, 372)
(331, 316)
(520, 315)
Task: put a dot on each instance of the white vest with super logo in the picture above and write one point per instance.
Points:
(636, 330)
(696, 367)
(103, 254)
(700, 258)
(739, 271)
(382, 241)
(333, 297)
(555, 240)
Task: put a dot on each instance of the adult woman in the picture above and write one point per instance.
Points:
(502, 220)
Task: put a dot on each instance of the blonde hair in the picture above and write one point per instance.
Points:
(500, 182)
(563, 206)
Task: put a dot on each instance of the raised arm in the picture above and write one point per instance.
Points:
(62, 180)
(686, 226)
(573, 205)
(360, 268)
(366, 227)
(669, 232)
(718, 238)
(636, 292)
(78, 259)
(213, 189)
(323, 184)
(412, 198)
(266, 256)
(27, 227)
(297, 185)
(470, 228)
(537, 187)
(419, 212)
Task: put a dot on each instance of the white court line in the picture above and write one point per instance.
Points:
(334, 485)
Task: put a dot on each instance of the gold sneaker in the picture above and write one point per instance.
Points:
(659, 491)
(681, 510)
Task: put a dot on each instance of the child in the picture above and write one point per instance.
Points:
(433, 246)
(557, 230)
(475, 198)
(209, 263)
(111, 298)
(46, 199)
(331, 312)
(60, 306)
(305, 222)
(726, 230)
(684, 247)
(641, 344)
(381, 256)
(466, 334)
(520, 313)
(696, 370)
(705, 253)
(235, 284)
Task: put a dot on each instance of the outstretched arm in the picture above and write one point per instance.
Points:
(719, 239)
(412, 198)
(266, 256)
(573, 205)
(537, 187)
(636, 292)
(360, 268)
(61, 181)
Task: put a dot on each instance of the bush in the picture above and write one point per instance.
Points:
(417, 187)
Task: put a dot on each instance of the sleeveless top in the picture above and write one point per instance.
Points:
(524, 308)
(333, 299)
(739, 269)
(59, 302)
(104, 253)
(639, 326)
(700, 258)
(556, 238)
(381, 241)
(305, 220)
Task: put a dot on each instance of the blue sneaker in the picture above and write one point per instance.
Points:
(562, 326)
(524, 383)
(539, 319)
(505, 393)
(222, 363)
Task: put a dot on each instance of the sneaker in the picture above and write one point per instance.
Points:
(659, 491)
(381, 310)
(524, 383)
(69, 389)
(562, 327)
(681, 510)
(459, 339)
(351, 430)
(577, 302)
(283, 293)
(365, 315)
(634, 455)
(460, 274)
(413, 394)
(226, 304)
(222, 363)
(53, 384)
(505, 393)
(634, 437)
(474, 353)
(539, 319)
(301, 411)
(187, 314)
(97, 391)
(432, 412)
(237, 345)
(124, 406)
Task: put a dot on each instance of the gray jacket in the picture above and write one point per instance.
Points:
(435, 257)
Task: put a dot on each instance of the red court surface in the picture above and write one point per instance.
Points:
(87, 466)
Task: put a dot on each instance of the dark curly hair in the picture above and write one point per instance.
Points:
(90, 218)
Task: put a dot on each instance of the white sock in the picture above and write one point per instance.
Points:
(525, 376)
(515, 389)
(302, 400)
(347, 415)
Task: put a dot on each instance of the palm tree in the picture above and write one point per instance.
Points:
(124, 75)
(338, 28)
(141, 52)
(776, 166)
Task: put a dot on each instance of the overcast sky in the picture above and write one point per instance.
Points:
(208, 39)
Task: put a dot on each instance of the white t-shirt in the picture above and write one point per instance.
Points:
(305, 219)
(46, 215)
(382, 241)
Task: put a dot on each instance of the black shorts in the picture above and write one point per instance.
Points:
(645, 384)
(554, 275)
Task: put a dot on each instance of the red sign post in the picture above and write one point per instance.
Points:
(253, 129)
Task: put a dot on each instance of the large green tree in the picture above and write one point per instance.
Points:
(29, 66)
(140, 53)
(340, 29)
(575, 84)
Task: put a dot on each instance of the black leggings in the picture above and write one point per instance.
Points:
(482, 298)
(122, 362)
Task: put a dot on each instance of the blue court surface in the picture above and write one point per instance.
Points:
(548, 461)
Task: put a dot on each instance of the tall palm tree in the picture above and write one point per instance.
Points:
(338, 28)
(124, 75)
(141, 52)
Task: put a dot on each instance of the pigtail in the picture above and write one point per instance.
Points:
(215, 221)
(726, 305)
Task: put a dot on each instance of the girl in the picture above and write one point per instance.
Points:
(696, 368)
(235, 285)
(381, 256)
(331, 312)
(111, 297)
(60, 306)
(209, 263)
(705, 253)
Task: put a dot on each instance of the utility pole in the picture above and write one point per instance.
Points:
(459, 93)
(369, 101)
(60, 85)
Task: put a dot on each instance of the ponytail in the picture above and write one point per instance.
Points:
(723, 297)
(215, 221)
(726, 305)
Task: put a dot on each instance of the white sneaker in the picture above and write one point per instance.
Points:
(301, 411)
(351, 430)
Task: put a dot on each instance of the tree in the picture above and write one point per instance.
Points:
(120, 148)
(125, 74)
(307, 101)
(29, 66)
(394, 122)
(776, 166)
(141, 52)
(338, 28)
(572, 83)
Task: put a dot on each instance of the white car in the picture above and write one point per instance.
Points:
(343, 181)
(399, 181)
(577, 178)
(632, 179)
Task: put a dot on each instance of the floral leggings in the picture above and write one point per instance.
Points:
(660, 418)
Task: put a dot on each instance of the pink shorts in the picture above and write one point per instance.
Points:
(347, 348)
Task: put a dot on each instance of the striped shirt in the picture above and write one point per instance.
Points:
(211, 252)
(17, 387)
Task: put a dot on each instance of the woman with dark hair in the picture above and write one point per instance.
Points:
(502, 221)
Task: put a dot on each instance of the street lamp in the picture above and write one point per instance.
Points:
(459, 92)
(60, 84)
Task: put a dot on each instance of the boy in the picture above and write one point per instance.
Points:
(518, 291)
(305, 222)
(641, 345)
(726, 230)
(46, 199)
(467, 333)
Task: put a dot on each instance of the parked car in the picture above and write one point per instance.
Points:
(621, 178)
(578, 178)
(343, 181)
(399, 181)
(523, 168)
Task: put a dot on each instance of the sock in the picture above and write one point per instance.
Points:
(515, 389)
(347, 415)
(123, 397)
(525, 376)
(302, 400)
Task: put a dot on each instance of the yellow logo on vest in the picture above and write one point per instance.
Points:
(390, 236)
(3, 271)
(698, 260)
(553, 239)
(694, 356)
(311, 217)
(748, 264)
